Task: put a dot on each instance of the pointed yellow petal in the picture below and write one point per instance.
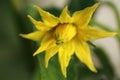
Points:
(50, 53)
(35, 36)
(65, 53)
(81, 18)
(62, 60)
(92, 33)
(65, 17)
(83, 53)
(47, 42)
(39, 25)
(48, 18)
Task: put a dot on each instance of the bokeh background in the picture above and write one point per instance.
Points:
(16, 60)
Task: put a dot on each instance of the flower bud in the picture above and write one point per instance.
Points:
(64, 33)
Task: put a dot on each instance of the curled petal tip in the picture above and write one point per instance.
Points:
(28, 16)
(66, 7)
(96, 5)
(46, 65)
(22, 35)
(65, 75)
(94, 70)
(34, 54)
(115, 33)
(35, 6)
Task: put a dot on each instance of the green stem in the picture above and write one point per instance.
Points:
(41, 67)
(105, 27)
(41, 71)
(115, 10)
(53, 72)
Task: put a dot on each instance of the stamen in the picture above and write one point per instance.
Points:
(58, 42)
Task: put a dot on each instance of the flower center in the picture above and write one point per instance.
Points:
(64, 33)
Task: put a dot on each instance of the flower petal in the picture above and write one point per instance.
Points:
(35, 36)
(92, 33)
(83, 53)
(39, 25)
(65, 17)
(65, 53)
(47, 42)
(48, 18)
(50, 53)
(81, 18)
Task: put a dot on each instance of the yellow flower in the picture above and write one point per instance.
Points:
(66, 35)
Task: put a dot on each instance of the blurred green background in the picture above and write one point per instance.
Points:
(16, 60)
